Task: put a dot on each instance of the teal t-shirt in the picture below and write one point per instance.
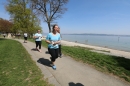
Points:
(39, 35)
(51, 37)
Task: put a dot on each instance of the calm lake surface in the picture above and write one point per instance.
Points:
(118, 42)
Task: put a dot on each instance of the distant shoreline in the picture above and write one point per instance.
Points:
(93, 34)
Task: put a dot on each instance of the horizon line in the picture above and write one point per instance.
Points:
(93, 34)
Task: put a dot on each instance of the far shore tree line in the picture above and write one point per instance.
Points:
(25, 15)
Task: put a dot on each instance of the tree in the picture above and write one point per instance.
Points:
(49, 9)
(5, 25)
(22, 17)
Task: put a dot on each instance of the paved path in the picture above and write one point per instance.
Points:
(70, 72)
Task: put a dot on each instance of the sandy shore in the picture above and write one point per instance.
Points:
(99, 49)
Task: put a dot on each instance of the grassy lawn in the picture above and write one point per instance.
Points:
(118, 66)
(17, 67)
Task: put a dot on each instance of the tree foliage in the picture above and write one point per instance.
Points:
(22, 17)
(5, 25)
(50, 10)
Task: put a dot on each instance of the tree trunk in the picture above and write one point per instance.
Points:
(49, 26)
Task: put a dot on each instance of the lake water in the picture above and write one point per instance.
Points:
(109, 41)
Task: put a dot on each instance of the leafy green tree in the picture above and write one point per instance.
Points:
(22, 17)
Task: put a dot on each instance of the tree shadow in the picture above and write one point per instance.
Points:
(77, 84)
(44, 61)
(123, 62)
(3, 39)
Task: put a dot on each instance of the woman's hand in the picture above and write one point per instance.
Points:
(57, 42)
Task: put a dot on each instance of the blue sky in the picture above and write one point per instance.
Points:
(91, 16)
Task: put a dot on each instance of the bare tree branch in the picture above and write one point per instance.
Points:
(50, 10)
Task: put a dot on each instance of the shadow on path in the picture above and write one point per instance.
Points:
(24, 42)
(77, 84)
(34, 49)
(47, 52)
(44, 61)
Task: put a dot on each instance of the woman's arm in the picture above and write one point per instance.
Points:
(47, 41)
(35, 36)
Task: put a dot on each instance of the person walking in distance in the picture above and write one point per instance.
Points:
(59, 53)
(4, 35)
(53, 40)
(38, 41)
(25, 37)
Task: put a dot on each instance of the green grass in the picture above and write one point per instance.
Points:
(111, 64)
(17, 67)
